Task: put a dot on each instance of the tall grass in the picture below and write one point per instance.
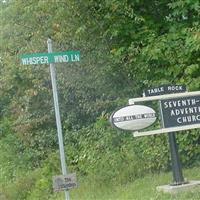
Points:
(139, 189)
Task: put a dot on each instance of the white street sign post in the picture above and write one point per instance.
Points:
(52, 58)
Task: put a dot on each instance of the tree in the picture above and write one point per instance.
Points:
(125, 46)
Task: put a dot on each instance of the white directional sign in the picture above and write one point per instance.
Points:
(164, 89)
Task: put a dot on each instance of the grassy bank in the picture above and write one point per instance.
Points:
(92, 188)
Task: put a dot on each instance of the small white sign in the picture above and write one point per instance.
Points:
(62, 183)
(133, 117)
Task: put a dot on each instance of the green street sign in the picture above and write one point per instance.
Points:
(46, 58)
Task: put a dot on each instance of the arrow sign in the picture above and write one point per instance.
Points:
(46, 58)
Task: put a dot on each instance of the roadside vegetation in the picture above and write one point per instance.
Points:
(126, 47)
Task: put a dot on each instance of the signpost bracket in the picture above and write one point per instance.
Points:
(165, 96)
(165, 130)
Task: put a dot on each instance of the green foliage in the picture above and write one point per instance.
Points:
(33, 185)
(100, 149)
(30, 183)
(142, 188)
(189, 147)
(13, 191)
(43, 185)
(126, 46)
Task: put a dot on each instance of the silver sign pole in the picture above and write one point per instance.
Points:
(57, 113)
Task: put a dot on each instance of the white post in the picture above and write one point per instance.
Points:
(57, 113)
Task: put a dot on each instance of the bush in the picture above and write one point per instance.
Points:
(99, 149)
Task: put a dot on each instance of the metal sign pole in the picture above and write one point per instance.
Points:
(57, 113)
(175, 159)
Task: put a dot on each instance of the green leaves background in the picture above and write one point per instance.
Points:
(126, 46)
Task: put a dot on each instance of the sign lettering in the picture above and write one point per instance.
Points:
(180, 112)
(46, 58)
(164, 89)
(133, 117)
(61, 183)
